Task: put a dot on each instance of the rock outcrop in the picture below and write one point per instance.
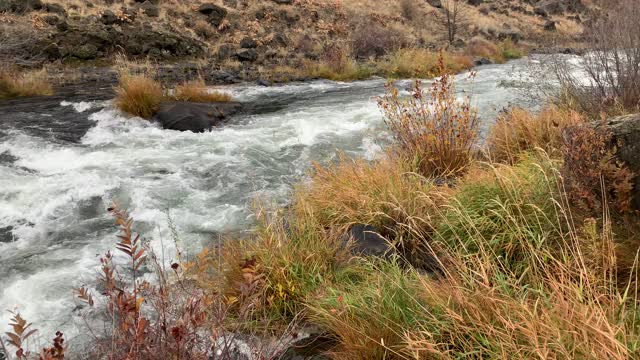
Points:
(625, 131)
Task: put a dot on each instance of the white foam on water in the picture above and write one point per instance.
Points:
(83, 106)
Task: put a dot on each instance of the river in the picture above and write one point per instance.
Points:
(62, 165)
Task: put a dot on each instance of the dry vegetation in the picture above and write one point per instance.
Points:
(504, 259)
(139, 94)
(518, 131)
(611, 68)
(432, 130)
(528, 253)
(30, 83)
(196, 91)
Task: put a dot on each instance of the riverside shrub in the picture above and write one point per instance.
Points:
(432, 129)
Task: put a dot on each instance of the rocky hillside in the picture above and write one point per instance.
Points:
(256, 35)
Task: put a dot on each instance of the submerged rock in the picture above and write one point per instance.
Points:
(195, 117)
(482, 61)
(6, 236)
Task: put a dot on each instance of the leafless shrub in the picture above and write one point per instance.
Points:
(611, 67)
(452, 18)
(374, 40)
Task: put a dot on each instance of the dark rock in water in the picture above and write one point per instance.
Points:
(263, 82)
(366, 240)
(482, 61)
(6, 236)
(7, 158)
(626, 135)
(195, 117)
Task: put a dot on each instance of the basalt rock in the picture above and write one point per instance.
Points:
(215, 13)
(195, 117)
(366, 240)
(625, 131)
(20, 6)
(550, 25)
(87, 39)
(247, 55)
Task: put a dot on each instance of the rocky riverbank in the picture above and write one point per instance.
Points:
(244, 40)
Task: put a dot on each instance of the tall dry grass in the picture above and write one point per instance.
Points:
(421, 64)
(31, 83)
(139, 95)
(196, 91)
(137, 92)
(523, 279)
(518, 131)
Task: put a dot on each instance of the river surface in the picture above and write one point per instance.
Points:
(61, 166)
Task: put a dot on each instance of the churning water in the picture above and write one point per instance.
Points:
(62, 165)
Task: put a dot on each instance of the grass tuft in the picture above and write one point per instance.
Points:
(33, 83)
(196, 91)
(519, 131)
(139, 95)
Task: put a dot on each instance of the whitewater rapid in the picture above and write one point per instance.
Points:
(54, 188)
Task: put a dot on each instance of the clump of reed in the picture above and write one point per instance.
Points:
(31, 83)
(196, 91)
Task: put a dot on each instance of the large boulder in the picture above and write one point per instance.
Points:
(216, 13)
(626, 135)
(150, 9)
(20, 6)
(195, 117)
(247, 55)
(365, 240)
(558, 7)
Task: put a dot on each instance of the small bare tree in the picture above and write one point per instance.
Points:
(608, 76)
(452, 17)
